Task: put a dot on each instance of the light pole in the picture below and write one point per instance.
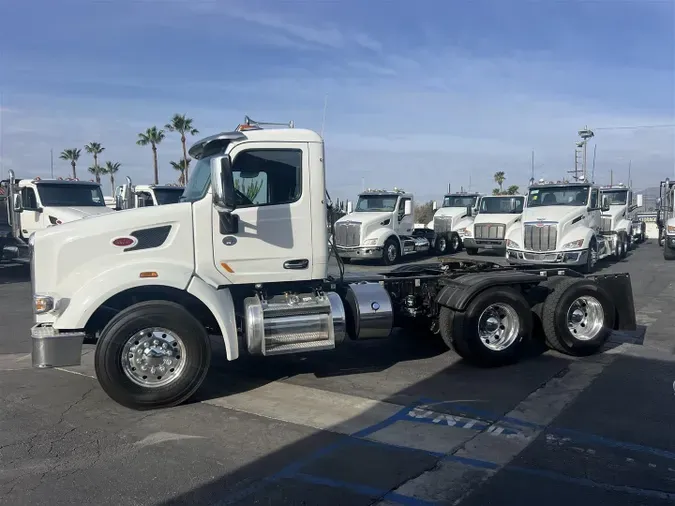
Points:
(585, 134)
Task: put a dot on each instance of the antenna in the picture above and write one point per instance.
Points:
(630, 185)
(323, 120)
(533, 164)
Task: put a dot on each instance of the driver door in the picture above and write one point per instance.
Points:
(405, 221)
(272, 240)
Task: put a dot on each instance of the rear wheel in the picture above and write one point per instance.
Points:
(577, 317)
(472, 251)
(151, 355)
(492, 331)
(625, 242)
(455, 243)
(668, 252)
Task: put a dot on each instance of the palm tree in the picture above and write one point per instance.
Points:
(153, 137)
(110, 168)
(181, 167)
(95, 148)
(71, 155)
(183, 125)
(500, 177)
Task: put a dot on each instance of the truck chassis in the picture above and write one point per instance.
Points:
(485, 312)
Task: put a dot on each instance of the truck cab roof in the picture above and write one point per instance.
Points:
(388, 193)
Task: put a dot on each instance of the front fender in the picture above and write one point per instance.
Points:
(220, 303)
(76, 311)
(577, 234)
(624, 226)
(380, 235)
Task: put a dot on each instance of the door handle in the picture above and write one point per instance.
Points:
(296, 264)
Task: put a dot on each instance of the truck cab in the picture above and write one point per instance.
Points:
(497, 214)
(35, 204)
(128, 195)
(666, 218)
(562, 224)
(380, 226)
(452, 220)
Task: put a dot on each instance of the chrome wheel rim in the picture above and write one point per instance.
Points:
(391, 252)
(585, 318)
(441, 244)
(498, 326)
(455, 242)
(594, 256)
(153, 357)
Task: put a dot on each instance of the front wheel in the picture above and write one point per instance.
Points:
(591, 258)
(472, 251)
(668, 252)
(577, 317)
(390, 252)
(492, 331)
(151, 355)
(625, 244)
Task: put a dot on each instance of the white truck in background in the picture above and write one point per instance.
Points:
(29, 205)
(562, 224)
(666, 218)
(497, 214)
(128, 195)
(621, 220)
(380, 226)
(254, 271)
(453, 220)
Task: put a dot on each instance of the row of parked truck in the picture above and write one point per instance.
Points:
(557, 223)
(29, 205)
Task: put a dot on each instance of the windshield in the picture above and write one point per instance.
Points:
(70, 195)
(459, 201)
(558, 196)
(376, 203)
(501, 205)
(617, 197)
(168, 195)
(200, 179)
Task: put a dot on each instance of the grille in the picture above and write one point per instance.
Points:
(540, 238)
(606, 223)
(489, 231)
(348, 234)
(442, 225)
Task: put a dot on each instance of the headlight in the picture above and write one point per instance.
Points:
(512, 244)
(370, 242)
(671, 229)
(574, 244)
(464, 232)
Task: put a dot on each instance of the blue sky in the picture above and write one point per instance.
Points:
(420, 94)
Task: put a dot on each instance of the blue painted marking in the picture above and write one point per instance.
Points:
(483, 464)
(590, 483)
(399, 415)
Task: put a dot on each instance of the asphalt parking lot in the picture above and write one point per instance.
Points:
(402, 421)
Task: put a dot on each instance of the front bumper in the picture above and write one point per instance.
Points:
(363, 252)
(572, 257)
(470, 242)
(53, 348)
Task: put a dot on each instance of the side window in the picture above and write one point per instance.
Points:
(144, 199)
(594, 199)
(29, 199)
(401, 208)
(267, 177)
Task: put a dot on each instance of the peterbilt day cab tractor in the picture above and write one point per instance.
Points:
(665, 210)
(128, 195)
(621, 219)
(496, 215)
(452, 220)
(562, 224)
(29, 205)
(151, 285)
(381, 227)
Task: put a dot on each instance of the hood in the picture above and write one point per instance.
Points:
(615, 211)
(450, 212)
(552, 213)
(66, 214)
(507, 219)
(364, 218)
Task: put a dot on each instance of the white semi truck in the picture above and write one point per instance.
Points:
(29, 205)
(497, 214)
(254, 271)
(128, 195)
(666, 218)
(563, 224)
(452, 220)
(621, 218)
(381, 227)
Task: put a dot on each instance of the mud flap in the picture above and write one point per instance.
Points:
(619, 287)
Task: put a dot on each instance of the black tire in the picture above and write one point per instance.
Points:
(346, 260)
(661, 240)
(391, 251)
(626, 244)
(167, 315)
(454, 244)
(554, 314)
(590, 263)
(472, 251)
(459, 330)
(668, 252)
(441, 245)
